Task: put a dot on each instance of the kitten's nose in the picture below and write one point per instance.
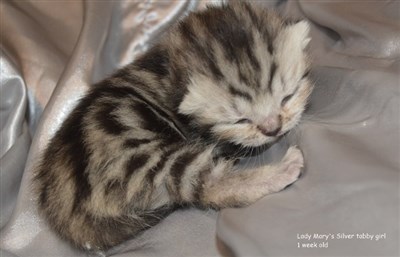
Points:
(271, 125)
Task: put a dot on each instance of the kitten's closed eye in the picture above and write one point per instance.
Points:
(242, 121)
(286, 99)
(306, 74)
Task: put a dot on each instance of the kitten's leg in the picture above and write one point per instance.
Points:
(225, 186)
(194, 178)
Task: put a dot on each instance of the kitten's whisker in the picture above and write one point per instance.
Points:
(249, 157)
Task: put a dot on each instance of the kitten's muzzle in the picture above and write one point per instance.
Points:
(271, 126)
(271, 133)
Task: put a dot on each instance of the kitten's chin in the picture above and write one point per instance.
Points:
(257, 143)
(233, 151)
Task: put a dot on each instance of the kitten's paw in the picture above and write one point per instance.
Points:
(289, 170)
(294, 157)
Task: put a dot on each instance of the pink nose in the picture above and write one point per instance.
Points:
(271, 125)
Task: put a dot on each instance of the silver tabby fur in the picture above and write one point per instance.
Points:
(147, 139)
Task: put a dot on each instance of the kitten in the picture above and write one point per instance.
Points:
(149, 138)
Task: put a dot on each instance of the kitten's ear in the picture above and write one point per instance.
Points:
(300, 31)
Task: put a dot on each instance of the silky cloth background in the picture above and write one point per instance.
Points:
(52, 51)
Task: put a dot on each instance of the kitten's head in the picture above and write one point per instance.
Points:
(248, 80)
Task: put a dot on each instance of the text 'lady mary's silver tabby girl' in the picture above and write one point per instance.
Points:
(150, 138)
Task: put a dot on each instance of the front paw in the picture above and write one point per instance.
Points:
(288, 170)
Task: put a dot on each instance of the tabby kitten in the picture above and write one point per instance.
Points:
(148, 139)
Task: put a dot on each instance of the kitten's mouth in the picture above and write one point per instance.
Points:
(277, 136)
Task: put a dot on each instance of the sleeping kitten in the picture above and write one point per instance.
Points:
(149, 138)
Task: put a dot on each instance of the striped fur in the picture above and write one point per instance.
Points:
(151, 137)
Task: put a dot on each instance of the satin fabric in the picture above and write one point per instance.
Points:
(52, 51)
